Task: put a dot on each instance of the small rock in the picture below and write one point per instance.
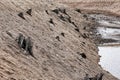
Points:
(21, 15)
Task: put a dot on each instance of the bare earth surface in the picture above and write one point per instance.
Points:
(110, 7)
(56, 59)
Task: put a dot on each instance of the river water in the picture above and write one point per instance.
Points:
(110, 60)
(109, 33)
(109, 28)
(110, 55)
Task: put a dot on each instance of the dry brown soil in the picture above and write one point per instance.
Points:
(55, 59)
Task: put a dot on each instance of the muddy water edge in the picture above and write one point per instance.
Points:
(108, 40)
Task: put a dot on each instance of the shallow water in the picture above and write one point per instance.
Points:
(110, 55)
(109, 33)
(110, 60)
(109, 28)
(109, 23)
(106, 21)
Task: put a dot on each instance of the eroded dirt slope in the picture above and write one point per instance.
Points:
(58, 56)
(110, 7)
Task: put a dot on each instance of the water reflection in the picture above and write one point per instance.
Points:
(110, 59)
(109, 28)
(110, 56)
(109, 33)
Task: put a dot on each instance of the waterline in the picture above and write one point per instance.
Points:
(110, 60)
